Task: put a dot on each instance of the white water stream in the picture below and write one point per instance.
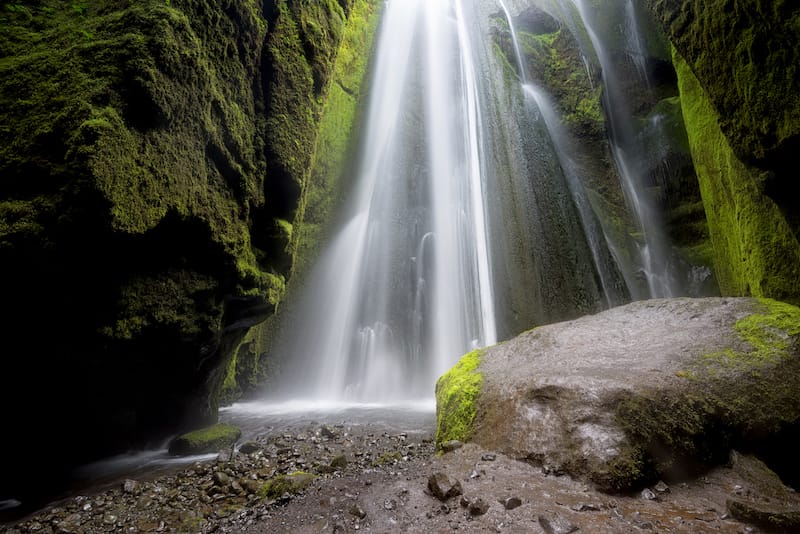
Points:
(406, 288)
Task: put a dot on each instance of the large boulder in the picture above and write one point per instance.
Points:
(658, 388)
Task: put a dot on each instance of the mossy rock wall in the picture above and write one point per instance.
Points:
(755, 250)
(740, 94)
(322, 190)
(154, 162)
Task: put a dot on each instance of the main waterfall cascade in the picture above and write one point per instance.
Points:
(467, 221)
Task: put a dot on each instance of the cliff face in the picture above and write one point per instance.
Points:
(154, 157)
(737, 63)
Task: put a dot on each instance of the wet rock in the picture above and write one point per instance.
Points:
(623, 390)
(509, 503)
(221, 478)
(478, 506)
(357, 511)
(773, 517)
(488, 457)
(211, 439)
(339, 462)
(249, 447)
(555, 524)
(452, 445)
(537, 21)
(661, 487)
(130, 486)
(648, 494)
(583, 507)
(442, 487)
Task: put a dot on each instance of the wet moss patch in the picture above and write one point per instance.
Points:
(456, 396)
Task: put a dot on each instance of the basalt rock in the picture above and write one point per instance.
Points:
(654, 389)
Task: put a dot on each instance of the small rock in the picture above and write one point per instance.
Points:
(509, 503)
(250, 486)
(450, 446)
(130, 486)
(648, 494)
(582, 507)
(109, 519)
(389, 504)
(339, 462)
(474, 474)
(489, 457)
(442, 487)
(478, 506)
(249, 447)
(358, 511)
(327, 433)
(464, 502)
(661, 487)
(774, 517)
(221, 479)
(557, 525)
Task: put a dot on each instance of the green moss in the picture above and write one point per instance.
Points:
(388, 458)
(456, 395)
(334, 145)
(291, 484)
(755, 250)
(770, 333)
(769, 336)
(205, 440)
(748, 72)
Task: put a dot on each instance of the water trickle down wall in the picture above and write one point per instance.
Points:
(468, 220)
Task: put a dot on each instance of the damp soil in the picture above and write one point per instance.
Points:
(370, 478)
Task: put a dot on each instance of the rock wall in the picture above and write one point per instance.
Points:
(154, 160)
(738, 75)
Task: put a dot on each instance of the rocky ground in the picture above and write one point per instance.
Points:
(348, 479)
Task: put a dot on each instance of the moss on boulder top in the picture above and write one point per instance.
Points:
(660, 388)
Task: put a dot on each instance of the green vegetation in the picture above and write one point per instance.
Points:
(748, 72)
(292, 484)
(205, 440)
(456, 395)
(325, 152)
(756, 252)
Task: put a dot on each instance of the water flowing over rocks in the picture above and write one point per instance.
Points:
(660, 388)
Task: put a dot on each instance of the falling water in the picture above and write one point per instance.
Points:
(565, 148)
(467, 221)
(405, 288)
(631, 159)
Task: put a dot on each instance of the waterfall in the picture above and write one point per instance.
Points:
(467, 220)
(631, 157)
(406, 287)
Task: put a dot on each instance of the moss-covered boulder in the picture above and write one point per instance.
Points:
(660, 388)
(205, 440)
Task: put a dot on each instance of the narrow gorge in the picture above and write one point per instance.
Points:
(213, 208)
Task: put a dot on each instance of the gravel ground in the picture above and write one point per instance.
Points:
(365, 478)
